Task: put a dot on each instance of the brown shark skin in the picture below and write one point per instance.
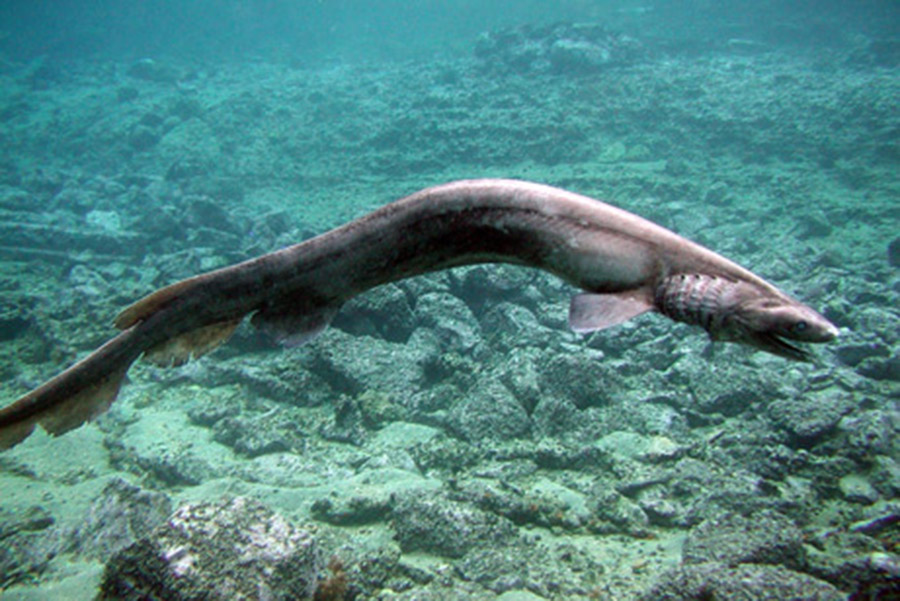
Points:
(592, 245)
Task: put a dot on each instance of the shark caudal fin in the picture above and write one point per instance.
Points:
(88, 388)
(77, 395)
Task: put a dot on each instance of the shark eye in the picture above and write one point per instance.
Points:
(800, 327)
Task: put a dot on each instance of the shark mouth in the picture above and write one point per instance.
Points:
(777, 345)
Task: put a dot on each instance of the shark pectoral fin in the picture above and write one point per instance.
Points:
(292, 326)
(591, 311)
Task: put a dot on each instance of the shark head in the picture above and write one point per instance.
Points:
(772, 324)
(740, 311)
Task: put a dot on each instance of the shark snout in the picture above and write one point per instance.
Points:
(812, 326)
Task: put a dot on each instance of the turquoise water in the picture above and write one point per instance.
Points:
(449, 437)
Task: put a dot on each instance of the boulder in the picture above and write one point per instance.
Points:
(237, 549)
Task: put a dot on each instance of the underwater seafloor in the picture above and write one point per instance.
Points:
(448, 437)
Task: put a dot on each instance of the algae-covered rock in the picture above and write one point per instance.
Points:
(869, 433)
(765, 537)
(489, 412)
(383, 312)
(447, 528)
(856, 488)
(451, 319)
(748, 582)
(257, 435)
(27, 544)
(121, 515)
(352, 364)
(615, 513)
(237, 549)
(810, 418)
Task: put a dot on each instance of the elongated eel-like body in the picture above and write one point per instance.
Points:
(625, 265)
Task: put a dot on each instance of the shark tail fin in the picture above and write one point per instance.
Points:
(77, 395)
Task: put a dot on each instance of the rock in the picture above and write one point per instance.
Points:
(614, 513)
(489, 412)
(384, 312)
(483, 286)
(881, 369)
(513, 326)
(165, 466)
(447, 528)
(519, 596)
(556, 415)
(578, 56)
(126, 93)
(869, 433)
(348, 425)
(208, 410)
(143, 138)
(253, 436)
(662, 512)
(857, 489)
(13, 320)
(854, 354)
(104, 220)
(877, 524)
(451, 319)
(275, 375)
(237, 549)
(352, 511)
(581, 379)
(877, 577)
(155, 71)
(808, 419)
(748, 582)
(581, 48)
(885, 476)
(351, 364)
(731, 392)
(893, 253)
(502, 571)
(203, 212)
(27, 544)
(718, 194)
(521, 375)
(856, 563)
(120, 516)
(764, 537)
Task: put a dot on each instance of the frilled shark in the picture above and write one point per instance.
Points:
(623, 264)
